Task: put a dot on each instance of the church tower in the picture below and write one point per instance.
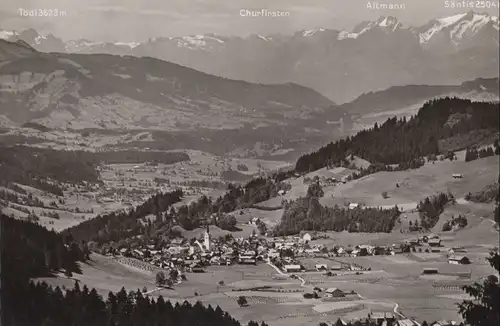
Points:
(206, 243)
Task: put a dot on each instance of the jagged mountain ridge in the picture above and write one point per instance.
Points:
(375, 55)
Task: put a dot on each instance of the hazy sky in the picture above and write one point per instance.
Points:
(135, 20)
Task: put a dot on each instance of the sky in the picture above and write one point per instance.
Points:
(135, 20)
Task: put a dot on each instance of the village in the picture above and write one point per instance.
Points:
(298, 258)
(285, 254)
(311, 276)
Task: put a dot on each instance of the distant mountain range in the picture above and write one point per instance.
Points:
(62, 90)
(123, 94)
(341, 65)
(400, 97)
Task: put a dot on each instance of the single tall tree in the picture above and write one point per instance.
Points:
(483, 309)
(160, 279)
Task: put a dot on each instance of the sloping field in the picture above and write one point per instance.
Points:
(299, 188)
(473, 211)
(106, 275)
(414, 185)
(478, 232)
(271, 217)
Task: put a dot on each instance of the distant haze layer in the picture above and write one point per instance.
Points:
(130, 20)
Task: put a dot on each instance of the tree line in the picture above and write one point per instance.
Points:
(26, 253)
(459, 222)
(474, 153)
(308, 214)
(404, 142)
(431, 208)
(488, 194)
(120, 225)
(40, 304)
(257, 190)
(44, 168)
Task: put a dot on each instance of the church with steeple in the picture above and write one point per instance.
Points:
(206, 241)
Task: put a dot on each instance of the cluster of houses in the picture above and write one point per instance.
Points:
(388, 318)
(284, 252)
(326, 181)
(432, 240)
(455, 254)
(194, 255)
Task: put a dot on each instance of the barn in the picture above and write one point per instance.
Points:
(321, 267)
(334, 293)
(435, 242)
(292, 268)
(459, 260)
(428, 271)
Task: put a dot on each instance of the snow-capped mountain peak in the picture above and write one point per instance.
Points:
(263, 38)
(39, 39)
(385, 23)
(129, 44)
(389, 22)
(6, 35)
(311, 32)
(457, 27)
(195, 42)
(439, 35)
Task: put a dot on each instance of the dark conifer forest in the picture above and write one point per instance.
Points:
(121, 225)
(474, 154)
(404, 142)
(118, 226)
(45, 168)
(29, 251)
(431, 208)
(307, 214)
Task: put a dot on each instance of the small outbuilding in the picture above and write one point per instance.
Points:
(430, 271)
(435, 242)
(353, 205)
(321, 267)
(459, 260)
(334, 293)
(306, 237)
(292, 268)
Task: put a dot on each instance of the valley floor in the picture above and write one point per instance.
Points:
(394, 284)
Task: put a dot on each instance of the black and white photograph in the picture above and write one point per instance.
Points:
(249, 163)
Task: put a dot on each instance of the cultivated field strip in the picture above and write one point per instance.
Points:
(135, 263)
(269, 300)
(448, 287)
(343, 310)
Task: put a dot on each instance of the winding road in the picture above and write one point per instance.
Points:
(303, 282)
(396, 305)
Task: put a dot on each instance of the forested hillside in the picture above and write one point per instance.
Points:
(121, 225)
(307, 214)
(43, 168)
(405, 142)
(29, 251)
(46, 168)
